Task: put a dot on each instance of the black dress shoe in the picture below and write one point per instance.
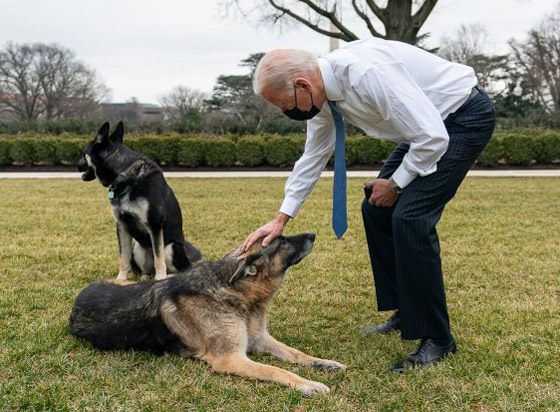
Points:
(426, 353)
(391, 324)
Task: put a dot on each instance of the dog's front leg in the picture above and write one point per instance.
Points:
(238, 363)
(158, 247)
(125, 251)
(286, 353)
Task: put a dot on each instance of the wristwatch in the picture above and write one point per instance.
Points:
(395, 187)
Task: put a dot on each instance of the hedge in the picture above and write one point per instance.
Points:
(523, 147)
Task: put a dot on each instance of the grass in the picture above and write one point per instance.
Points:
(500, 241)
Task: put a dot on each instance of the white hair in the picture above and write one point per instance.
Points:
(279, 67)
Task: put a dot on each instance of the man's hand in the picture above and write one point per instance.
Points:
(382, 194)
(271, 230)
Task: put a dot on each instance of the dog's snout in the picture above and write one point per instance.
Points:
(311, 236)
(82, 164)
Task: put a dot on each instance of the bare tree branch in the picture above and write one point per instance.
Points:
(396, 16)
(423, 12)
(378, 11)
(39, 79)
(366, 19)
(331, 15)
(342, 35)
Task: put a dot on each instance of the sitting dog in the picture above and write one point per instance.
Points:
(148, 216)
(214, 312)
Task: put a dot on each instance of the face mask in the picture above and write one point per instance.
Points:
(298, 114)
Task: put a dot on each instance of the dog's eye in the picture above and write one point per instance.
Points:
(253, 258)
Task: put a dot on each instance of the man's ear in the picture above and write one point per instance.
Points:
(118, 133)
(102, 134)
(245, 268)
(302, 83)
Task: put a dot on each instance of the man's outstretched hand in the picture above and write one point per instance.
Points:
(270, 231)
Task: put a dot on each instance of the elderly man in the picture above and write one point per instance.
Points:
(442, 121)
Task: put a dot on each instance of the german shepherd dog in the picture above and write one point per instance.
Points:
(214, 312)
(147, 213)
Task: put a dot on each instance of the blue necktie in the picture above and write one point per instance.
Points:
(339, 218)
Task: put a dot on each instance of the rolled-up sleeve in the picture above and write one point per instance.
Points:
(389, 89)
(319, 147)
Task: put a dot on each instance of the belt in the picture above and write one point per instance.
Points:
(474, 92)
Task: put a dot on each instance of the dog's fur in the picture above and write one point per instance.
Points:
(214, 312)
(147, 213)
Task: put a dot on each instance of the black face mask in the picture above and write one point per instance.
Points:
(298, 114)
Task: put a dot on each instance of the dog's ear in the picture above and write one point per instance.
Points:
(103, 134)
(118, 133)
(246, 267)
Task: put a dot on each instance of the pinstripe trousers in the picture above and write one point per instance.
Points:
(403, 241)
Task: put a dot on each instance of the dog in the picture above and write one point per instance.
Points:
(215, 312)
(146, 211)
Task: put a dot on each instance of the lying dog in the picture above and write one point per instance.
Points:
(214, 312)
(148, 216)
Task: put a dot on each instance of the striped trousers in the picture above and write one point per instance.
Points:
(403, 241)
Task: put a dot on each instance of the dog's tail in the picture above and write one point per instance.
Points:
(193, 254)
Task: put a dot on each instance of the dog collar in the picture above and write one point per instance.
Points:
(121, 178)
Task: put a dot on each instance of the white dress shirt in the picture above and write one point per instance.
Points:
(390, 90)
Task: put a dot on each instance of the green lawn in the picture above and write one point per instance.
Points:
(501, 251)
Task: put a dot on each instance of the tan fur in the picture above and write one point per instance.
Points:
(223, 340)
(238, 363)
(220, 317)
(159, 256)
(125, 242)
(120, 282)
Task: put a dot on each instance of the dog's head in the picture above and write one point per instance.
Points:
(272, 261)
(105, 156)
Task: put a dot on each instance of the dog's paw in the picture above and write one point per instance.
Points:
(122, 276)
(144, 278)
(311, 388)
(160, 277)
(328, 365)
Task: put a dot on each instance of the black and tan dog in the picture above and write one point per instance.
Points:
(147, 213)
(214, 312)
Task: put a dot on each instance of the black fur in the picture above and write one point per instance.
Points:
(134, 177)
(113, 316)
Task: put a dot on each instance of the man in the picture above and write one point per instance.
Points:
(442, 121)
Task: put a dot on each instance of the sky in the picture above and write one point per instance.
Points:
(143, 48)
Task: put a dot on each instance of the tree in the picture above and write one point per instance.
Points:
(234, 94)
(20, 80)
(182, 102)
(401, 19)
(513, 103)
(46, 80)
(539, 58)
(469, 46)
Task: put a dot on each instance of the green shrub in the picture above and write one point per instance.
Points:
(5, 152)
(369, 151)
(388, 148)
(492, 153)
(45, 151)
(148, 146)
(68, 151)
(283, 151)
(220, 152)
(548, 148)
(519, 149)
(168, 148)
(191, 152)
(250, 150)
(21, 151)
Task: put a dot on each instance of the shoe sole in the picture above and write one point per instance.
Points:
(420, 366)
